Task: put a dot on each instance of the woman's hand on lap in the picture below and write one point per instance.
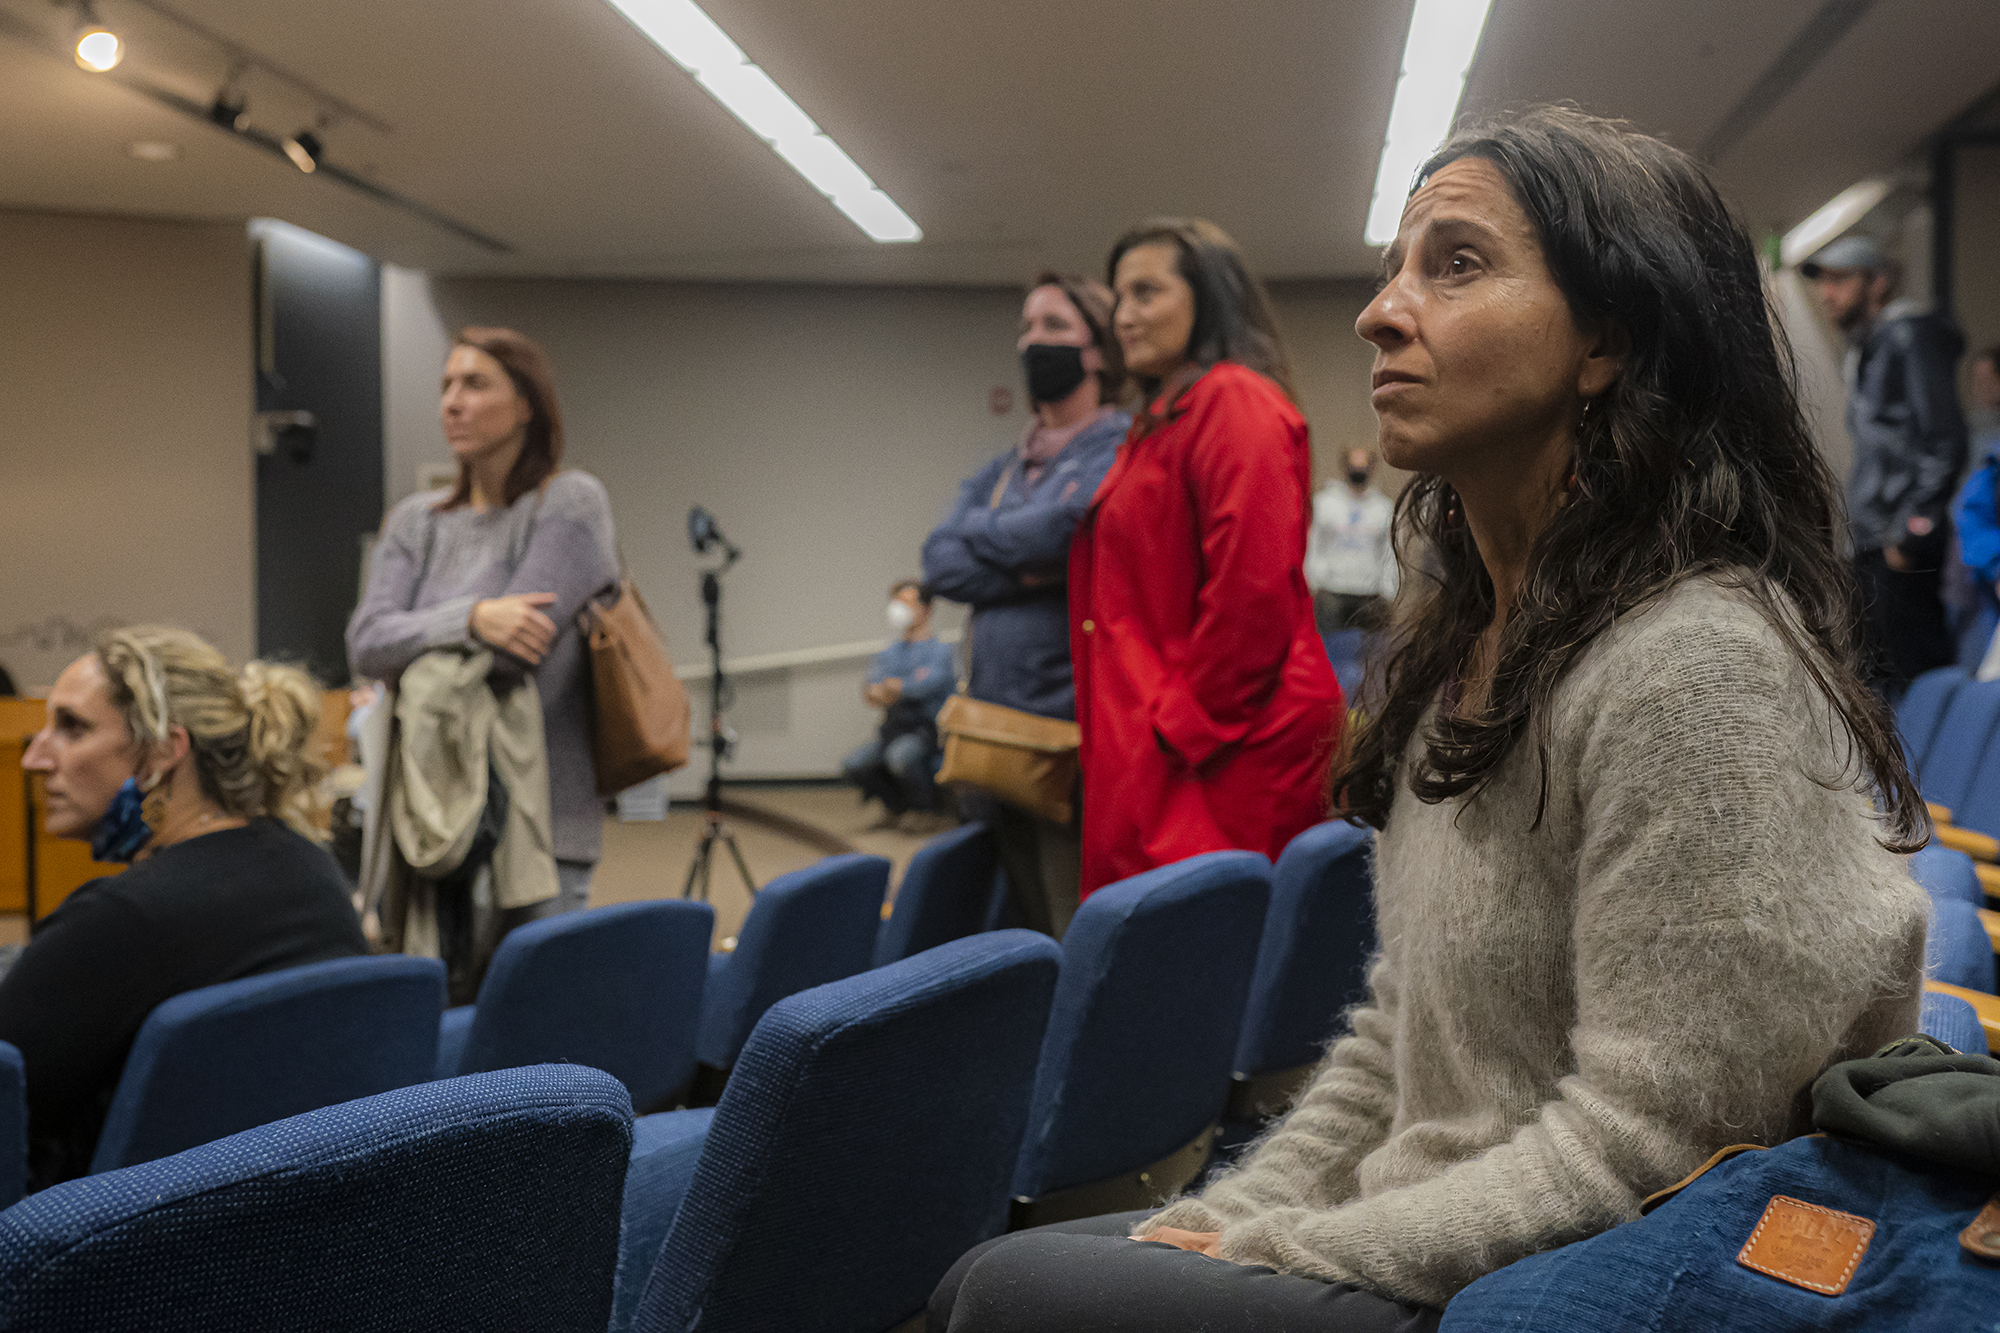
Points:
(1201, 1242)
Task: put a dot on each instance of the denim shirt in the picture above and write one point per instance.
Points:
(1010, 562)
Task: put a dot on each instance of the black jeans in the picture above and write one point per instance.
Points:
(1905, 615)
(1085, 1277)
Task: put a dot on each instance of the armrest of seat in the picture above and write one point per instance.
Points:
(1940, 814)
(1978, 846)
(1991, 920)
(1986, 1006)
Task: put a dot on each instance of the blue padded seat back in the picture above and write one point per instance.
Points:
(1958, 752)
(1156, 970)
(946, 894)
(1922, 710)
(224, 1058)
(1975, 628)
(864, 1143)
(616, 988)
(804, 929)
(1953, 1021)
(1675, 1269)
(482, 1202)
(1947, 875)
(1313, 961)
(1958, 949)
(13, 1125)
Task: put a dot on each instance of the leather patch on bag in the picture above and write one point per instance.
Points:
(1807, 1246)
(1982, 1238)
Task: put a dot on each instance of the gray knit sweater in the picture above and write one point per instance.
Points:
(1564, 1019)
(430, 568)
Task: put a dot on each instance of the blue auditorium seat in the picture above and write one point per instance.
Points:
(1312, 964)
(224, 1058)
(805, 929)
(1923, 709)
(1947, 875)
(616, 988)
(13, 1125)
(1954, 757)
(863, 1144)
(1957, 949)
(1952, 1021)
(1135, 1071)
(488, 1202)
(946, 894)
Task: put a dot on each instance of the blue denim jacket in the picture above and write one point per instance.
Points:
(1011, 563)
(1677, 1268)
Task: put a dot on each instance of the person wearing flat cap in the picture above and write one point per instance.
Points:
(1909, 449)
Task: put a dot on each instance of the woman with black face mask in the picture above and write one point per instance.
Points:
(1004, 549)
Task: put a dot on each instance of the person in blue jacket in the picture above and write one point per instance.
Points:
(909, 681)
(1004, 550)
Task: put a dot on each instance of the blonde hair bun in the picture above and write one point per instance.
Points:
(250, 731)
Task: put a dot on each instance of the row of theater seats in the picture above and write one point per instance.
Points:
(870, 1129)
(1949, 725)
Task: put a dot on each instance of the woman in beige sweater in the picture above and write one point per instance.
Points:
(1638, 879)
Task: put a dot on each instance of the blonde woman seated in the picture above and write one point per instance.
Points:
(160, 755)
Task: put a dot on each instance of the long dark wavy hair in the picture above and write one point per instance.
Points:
(1697, 461)
(1232, 314)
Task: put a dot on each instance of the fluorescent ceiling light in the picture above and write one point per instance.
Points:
(704, 50)
(1830, 219)
(1443, 36)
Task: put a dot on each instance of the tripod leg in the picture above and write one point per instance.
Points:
(742, 866)
(697, 880)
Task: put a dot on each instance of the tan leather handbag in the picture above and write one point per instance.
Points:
(1021, 758)
(642, 708)
(1024, 759)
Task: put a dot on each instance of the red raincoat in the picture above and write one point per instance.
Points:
(1208, 707)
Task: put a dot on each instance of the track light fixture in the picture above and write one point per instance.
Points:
(98, 49)
(306, 148)
(229, 109)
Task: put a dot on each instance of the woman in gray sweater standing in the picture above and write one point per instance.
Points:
(504, 560)
(1638, 876)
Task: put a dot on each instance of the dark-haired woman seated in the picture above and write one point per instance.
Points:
(1632, 889)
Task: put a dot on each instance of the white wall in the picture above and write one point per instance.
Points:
(826, 427)
(1975, 234)
(125, 402)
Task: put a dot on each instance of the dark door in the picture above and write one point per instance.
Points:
(319, 469)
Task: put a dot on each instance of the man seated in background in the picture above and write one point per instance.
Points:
(909, 682)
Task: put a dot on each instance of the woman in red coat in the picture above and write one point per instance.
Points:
(1209, 710)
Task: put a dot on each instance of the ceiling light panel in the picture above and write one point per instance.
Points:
(1444, 34)
(1830, 219)
(697, 45)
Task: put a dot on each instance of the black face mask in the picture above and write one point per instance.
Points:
(1053, 370)
(1356, 479)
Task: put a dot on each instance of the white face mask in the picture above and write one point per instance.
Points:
(901, 617)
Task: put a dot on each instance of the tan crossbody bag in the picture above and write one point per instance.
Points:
(642, 712)
(1023, 759)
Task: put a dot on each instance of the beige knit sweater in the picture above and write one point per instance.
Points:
(1564, 1019)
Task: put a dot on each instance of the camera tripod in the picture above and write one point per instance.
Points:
(703, 533)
